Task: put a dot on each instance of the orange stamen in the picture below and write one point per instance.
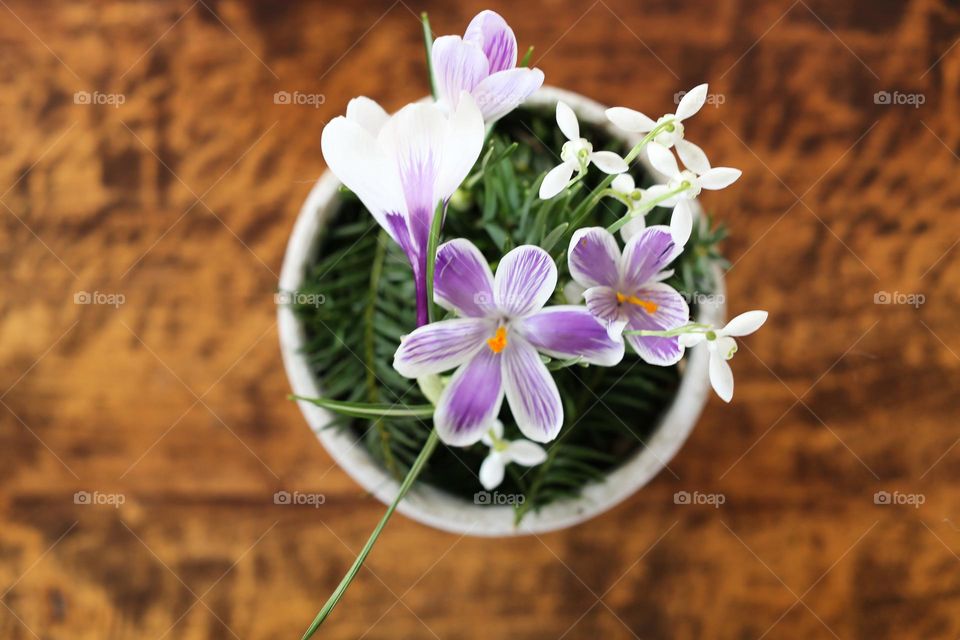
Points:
(499, 341)
(648, 305)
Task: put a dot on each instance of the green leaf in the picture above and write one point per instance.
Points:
(369, 409)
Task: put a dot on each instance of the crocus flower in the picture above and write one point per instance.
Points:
(722, 347)
(503, 452)
(625, 290)
(672, 135)
(483, 63)
(697, 176)
(402, 166)
(496, 342)
(576, 155)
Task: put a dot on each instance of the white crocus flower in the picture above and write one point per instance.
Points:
(503, 452)
(672, 133)
(576, 155)
(697, 175)
(722, 347)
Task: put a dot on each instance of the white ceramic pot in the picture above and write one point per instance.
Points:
(428, 504)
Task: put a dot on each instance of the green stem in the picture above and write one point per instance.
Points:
(693, 327)
(525, 62)
(432, 243)
(613, 228)
(428, 46)
(415, 470)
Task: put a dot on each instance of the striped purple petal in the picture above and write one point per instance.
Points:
(526, 278)
(594, 257)
(570, 331)
(458, 65)
(441, 346)
(645, 254)
(502, 92)
(531, 391)
(603, 305)
(469, 404)
(671, 312)
(463, 282)
(493, 35)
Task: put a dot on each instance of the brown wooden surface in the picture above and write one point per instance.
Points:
(182, 199)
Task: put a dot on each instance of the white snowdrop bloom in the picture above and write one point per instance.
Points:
(722, 347)
(503, 452)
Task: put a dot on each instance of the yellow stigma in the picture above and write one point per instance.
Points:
(647, 305)
(499, 341)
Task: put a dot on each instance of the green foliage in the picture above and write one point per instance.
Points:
(369, 304)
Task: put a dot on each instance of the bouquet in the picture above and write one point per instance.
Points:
(497, 267)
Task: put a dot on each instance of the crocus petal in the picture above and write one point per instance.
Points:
(367, 113)
(502, 92)
(414, 139)
(691, 102)
(463, 281)
(663, 160)
(681, 224)
(531, 392)
(594, 257)
(745, 323)
(441, 346)
(630, 120)
(633, 226)
(493, 35)
(608, 162)
(671, 312)
(555, 181)
(719, 178)
(471, 400)
(692, 156)
(567, 121)
(353, 155)
(645, 255)
(602, 305)
(526, 453)
(568, 331)
(525, 280)
(492, 470)
(721, 377)
(462, 144)
(457, 66)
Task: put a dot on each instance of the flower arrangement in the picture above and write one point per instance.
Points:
(557, 273)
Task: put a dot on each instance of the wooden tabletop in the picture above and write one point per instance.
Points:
(167, 192)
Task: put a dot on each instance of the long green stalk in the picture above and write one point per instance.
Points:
(335, 597)
(428, 45)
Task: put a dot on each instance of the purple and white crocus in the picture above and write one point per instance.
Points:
(402, 166)
(626, 290)
(495, 344)
(484, 64)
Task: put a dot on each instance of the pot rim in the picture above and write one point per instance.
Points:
(432, 506)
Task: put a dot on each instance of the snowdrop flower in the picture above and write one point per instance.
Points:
(671, 123)
(495, 344)
(626, 290)
(635, 199)
(402, 166)
(483, 63)
(722, 346)
(503, 452)
(576, 155)
(697, 176)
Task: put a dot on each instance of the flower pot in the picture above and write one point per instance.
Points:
(428, 504)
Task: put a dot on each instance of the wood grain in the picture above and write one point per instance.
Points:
(181, 200)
